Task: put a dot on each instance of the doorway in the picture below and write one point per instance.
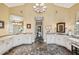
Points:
(39, 29)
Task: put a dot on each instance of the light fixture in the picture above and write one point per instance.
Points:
(39, 7)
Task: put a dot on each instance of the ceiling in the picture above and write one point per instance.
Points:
(66, 5)
(13, 4)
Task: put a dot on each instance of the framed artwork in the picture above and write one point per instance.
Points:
(1, 24)
(28, 26)
(61, 27)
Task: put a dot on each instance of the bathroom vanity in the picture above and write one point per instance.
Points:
(75, 49)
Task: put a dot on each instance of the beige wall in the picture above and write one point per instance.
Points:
(53, 15)
(50, 16)
(72, 12)
(4, 13)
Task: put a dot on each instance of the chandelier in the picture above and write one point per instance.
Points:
(39, 7)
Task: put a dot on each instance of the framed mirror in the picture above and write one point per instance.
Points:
(76, 25)
(1, 24)
(61, 27)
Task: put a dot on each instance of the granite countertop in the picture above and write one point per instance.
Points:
(74, 39)
(57, 34)
(73, 36)
(75, 42)
(10, 35)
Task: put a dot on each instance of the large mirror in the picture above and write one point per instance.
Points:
(15, 24)
(77, 24)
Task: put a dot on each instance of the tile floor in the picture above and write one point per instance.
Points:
(39, 49)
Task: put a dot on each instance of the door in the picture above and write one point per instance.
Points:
(39, 29)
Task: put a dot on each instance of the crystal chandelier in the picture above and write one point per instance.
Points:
(39, 7)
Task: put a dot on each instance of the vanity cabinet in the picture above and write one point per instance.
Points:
(55, 39)
(62, 40)
(75, 49)
(68, 44)
(14, 40)
(50, 39)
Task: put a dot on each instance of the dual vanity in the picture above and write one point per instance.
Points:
(70, 42)
(75, 45)
(75, 49)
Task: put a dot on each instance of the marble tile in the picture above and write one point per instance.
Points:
(34, 49)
